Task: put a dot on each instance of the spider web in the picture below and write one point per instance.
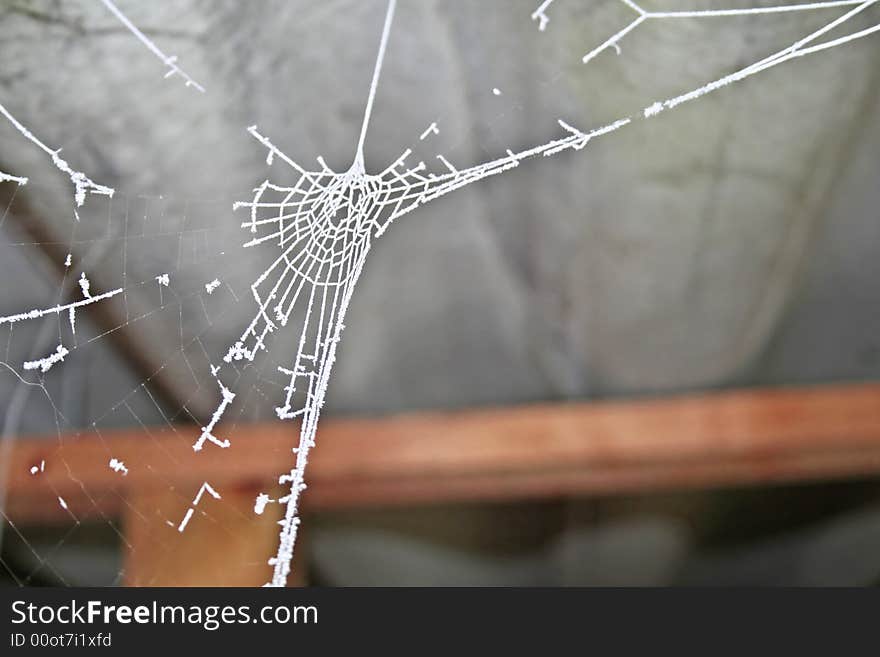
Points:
(314, 228)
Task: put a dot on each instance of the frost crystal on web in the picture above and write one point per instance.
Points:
(118, 466)
(8, 177)
(540, 14)
(60, 308)
(206, 488)
(169, 60)
(82, 184)
(45, 364)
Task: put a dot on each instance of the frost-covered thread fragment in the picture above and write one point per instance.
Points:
(261, 502)
(226, 398)
(46, 363)
(540, 15)
(82, 184)
(118, 466)
(206, 488)
(85, 285)
(8, 177)
(169, 60)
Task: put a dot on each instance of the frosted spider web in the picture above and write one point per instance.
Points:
(322, 224)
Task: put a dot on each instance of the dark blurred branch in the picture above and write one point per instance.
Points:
(172, 386)
(75, 23)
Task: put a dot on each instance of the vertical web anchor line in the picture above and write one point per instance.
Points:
(360, 186)
(374, 84)
(322, 227)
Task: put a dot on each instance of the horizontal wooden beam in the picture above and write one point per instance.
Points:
(544, 450)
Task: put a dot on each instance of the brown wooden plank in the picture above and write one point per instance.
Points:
(729, 438)
(225, 543)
